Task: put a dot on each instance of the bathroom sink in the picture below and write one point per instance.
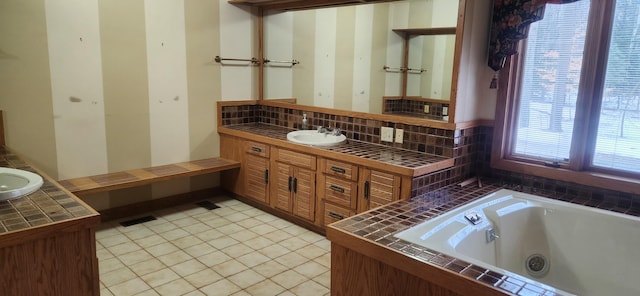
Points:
(15, 183)
(311, 137)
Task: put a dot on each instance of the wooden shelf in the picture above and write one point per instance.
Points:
(138, 177)
(301, 4)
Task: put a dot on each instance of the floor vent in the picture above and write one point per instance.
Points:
(207, 205)
(137, 221)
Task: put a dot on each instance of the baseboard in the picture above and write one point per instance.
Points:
(160, 203)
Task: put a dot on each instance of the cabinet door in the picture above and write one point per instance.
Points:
(378, 188)
(304, 193)
(257, 178)
(281, 193)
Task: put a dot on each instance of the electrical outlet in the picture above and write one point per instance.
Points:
(426, 108)
(399, 135)
(445, 111)
(386, 134)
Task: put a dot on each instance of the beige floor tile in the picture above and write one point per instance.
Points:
(110, 264)
(113, 240)
(269, 268)
(214, 258)
(235, 217)
(279, 223)
(237, 250)
(195, 293)
(241, 293)
(265, 288)
(135, 257)
(246, 278)
(105, 292)
(209, 235)
(174, 234)
(309, 288)
(130, 287)
(229, 268)
(249, 223)
(324, 244)
(324, 260)
(150, 292)
(171, 214)
(139, 233)
(221, 287)
(266, 218)
(147, 267)
(291, 260)
(230, 228)
(310, 269)
(222, 242)
(188, 267)
(277, 236)
(162, 228)
(252, 259)
(198, 250)
(293, 243)
(186, 241)
(151, 241)
(324, 279)
(160, 277)
(177, 287)
(287, 293)
(243, 235)
(295, 230)
(274, 251)
(311, 251)
(174, 258)
(259, 243)
(162, 249)
(196, 228)
(124, 248)
(311, 237)
(203, 278)
(263, 229)
(289, 279)
(217, 222)
(186, 221)
(106, 232)
(117, 276)
(224, 211)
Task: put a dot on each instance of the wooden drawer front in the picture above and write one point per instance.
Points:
(342, 169)
(256, 148)
(297, 159)
(340, 192)
(333, 213)
(384, 188)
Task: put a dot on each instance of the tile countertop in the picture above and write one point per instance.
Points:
(417, 162)
(379, 226)
(49, 205)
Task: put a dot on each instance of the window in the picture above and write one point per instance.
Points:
(571, 97)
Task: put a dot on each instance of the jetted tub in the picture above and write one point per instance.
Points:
(574, 249)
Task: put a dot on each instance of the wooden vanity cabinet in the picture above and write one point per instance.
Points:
(346, 189)
(294, 187)
(256, 171)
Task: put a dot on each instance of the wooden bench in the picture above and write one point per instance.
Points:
(138, 177)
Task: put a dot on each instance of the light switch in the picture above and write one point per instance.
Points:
(386, 134)
(399, 135)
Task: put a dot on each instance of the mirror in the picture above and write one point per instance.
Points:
(343, 51)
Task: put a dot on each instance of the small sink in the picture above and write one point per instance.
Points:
(311, 137)
(15, 183)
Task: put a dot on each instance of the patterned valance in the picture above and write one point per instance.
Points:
(510, 24)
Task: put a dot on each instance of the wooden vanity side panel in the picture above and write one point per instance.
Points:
(232, 148)
(64, 264)
(355, 274)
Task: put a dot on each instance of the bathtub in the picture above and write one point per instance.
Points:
(572, 248)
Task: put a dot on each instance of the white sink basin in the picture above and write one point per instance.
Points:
(311, 137)
(15, 183)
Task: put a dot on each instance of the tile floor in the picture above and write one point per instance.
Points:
(233, 250)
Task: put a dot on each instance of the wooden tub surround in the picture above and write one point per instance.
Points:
(366, 259)
(47, 240)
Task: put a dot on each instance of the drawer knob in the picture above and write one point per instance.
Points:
(256, 149)
(338, 169)
(336, 216)
(336, 188)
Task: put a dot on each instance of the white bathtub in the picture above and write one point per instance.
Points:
(587, 251)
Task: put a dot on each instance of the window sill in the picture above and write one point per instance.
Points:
(587, 178)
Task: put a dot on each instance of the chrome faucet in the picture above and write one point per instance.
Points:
(491, 235)
(325, 130)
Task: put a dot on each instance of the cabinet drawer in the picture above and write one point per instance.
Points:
(333, 213)
(341, 192)
(256, 148)
(342, 169)
(298, 159)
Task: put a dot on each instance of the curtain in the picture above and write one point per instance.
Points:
(509, 25)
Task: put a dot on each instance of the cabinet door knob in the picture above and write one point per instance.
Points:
(295, 185)
(266, 176)
(290, 183)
